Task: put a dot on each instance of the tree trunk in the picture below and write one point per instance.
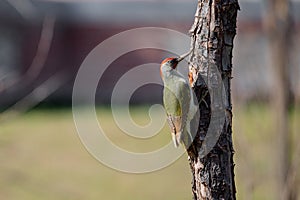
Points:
(278, 26)
(211, 153)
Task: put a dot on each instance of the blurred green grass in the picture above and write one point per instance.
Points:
(41, 157)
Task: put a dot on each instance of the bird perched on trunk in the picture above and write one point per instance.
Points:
(179, 103)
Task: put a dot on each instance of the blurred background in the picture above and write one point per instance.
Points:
(42, 45)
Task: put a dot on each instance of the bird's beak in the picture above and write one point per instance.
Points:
(180, 58)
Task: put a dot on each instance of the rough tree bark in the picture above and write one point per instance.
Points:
(211, 153)
(279, 29)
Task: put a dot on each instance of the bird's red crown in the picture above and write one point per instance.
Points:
(173, 62)
(166, 60)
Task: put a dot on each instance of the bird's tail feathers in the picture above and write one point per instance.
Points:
(176, 139)
(180, 137)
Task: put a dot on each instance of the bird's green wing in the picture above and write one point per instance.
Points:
(176, 101)
(176, 97)
(171, 102)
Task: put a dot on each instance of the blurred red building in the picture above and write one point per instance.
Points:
(82, 25)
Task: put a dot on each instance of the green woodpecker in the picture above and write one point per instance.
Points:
(178, 100)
